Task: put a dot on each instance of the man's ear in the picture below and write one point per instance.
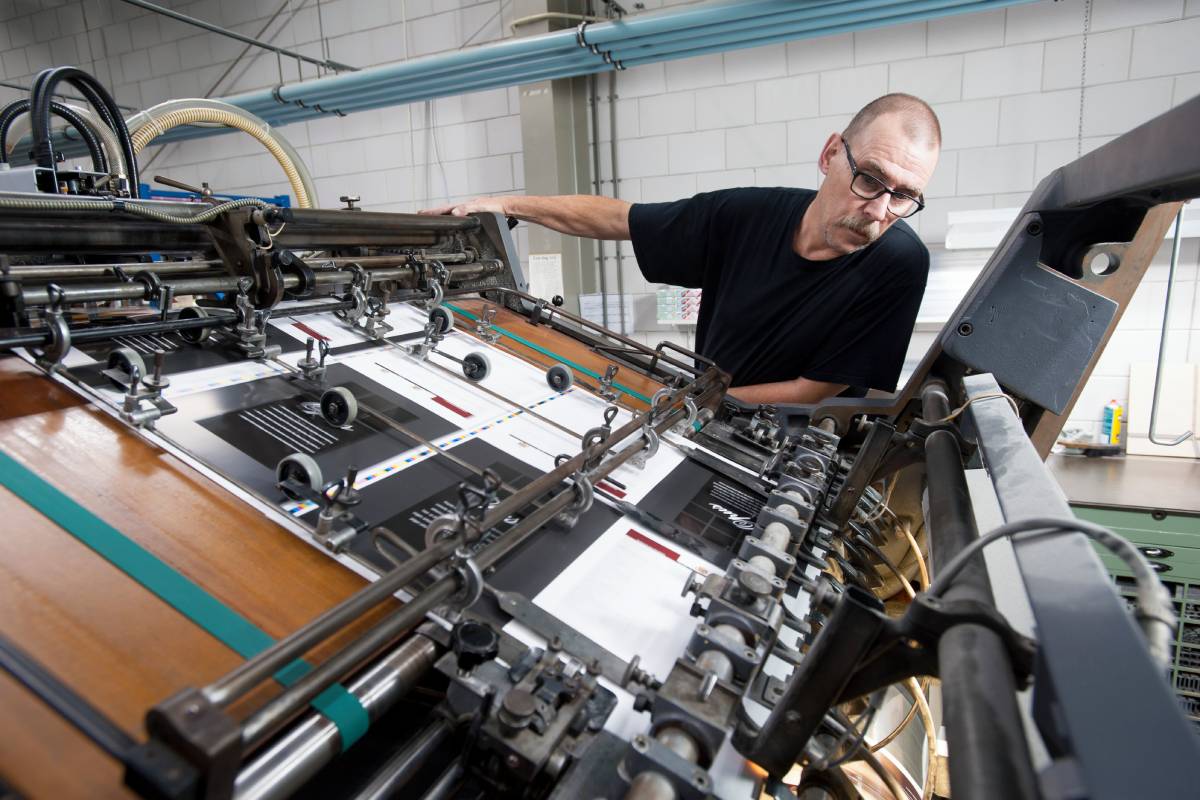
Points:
(832, 144)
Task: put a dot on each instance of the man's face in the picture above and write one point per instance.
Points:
(884, 151)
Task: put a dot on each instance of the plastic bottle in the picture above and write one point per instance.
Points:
(1111, 429)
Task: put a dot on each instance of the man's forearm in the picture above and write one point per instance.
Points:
(576, 214)
(801, 391)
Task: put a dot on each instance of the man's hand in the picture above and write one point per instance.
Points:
(800, 391)
(494, 204)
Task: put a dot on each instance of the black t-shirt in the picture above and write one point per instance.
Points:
(766, 314)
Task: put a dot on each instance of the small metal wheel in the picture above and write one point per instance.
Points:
(560, 377)
(476, 366)
(126, 359)
(302, 469)
(443, 318)
(194, 335)
(338, 406)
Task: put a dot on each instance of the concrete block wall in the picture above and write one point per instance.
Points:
(1005, 83)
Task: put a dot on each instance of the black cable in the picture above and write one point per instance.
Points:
(15, 109)
(861, 733)
(98, 97)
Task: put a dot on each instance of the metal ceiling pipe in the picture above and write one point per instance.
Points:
(785, 30)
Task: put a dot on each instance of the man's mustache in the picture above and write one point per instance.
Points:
(860, 225)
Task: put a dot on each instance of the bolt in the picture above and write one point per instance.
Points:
(1034, 228)
(159, 357)
(700, 780)
(513, 761)
(792, 717)
(966, 329)
(193, 710)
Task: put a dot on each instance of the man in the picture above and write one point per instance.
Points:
(805, 294)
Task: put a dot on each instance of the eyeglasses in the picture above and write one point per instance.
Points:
(868, 187)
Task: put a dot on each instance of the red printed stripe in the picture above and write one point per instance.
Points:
(605, 486)
(305, 329)
(644, 539)
(444, 402)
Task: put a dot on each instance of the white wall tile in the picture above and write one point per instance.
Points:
(1166, 49)
(726, 179)
(794, 97)
(1186, 87)
(845, 91)
(1107, 60)
(963, 33)
(643, 157)
(945, 176)
(1003, 70)
(756, 146)
(988, 170)
(822, 53)
(1119, 107)
(934, 80)
(666, 113)
(724, 107)
(1108, 14)
(890, 43)
(703, 151)
(695, 73)
(490, 175)
(755, 63)
(1035, 22)
(806, 137)
(504, 135)
(971, 123)
(1034, 117)
(668, 188)
(804, 176)
(641, 81)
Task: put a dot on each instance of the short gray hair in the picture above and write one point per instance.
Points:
(917, 117)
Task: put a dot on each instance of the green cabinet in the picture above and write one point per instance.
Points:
(1171, 541)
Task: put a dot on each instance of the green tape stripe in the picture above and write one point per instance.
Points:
(546, 352)
(187, 597)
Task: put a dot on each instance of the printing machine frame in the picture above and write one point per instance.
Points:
(1032, 326)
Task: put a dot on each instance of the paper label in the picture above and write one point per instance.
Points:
(545, 275)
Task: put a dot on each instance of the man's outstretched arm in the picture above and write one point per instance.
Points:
(800, 391)
(573, 214)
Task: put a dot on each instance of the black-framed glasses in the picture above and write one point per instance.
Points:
(868, 187)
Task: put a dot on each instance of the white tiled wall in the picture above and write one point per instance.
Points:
(1005, 83)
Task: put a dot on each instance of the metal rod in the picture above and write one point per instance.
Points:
(88, 719)
(1162, 344)
(96, 270)
(252, 672)
(991, 754)
(400, 769)
(267, 720)
(336, 66)
(616, 190)
(315, 741)
(444, 787)
(815, 685)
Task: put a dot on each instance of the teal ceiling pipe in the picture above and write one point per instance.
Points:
(643, 39)
(579, 59)
(800, 22)
(896, 14)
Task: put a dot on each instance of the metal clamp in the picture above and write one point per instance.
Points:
(50, 357)
(472, 579)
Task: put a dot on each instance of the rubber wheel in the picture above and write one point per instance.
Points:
(476, 366)
(338, 406)
(560, 377)
(300, 468)
(194, 335)
(443, 318)
(125, 359)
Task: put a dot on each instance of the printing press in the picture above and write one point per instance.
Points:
(323, 503)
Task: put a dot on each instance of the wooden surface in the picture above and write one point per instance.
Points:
(95, 628)
(555, 342)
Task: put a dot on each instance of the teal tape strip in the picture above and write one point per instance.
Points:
(546, 352)
(187, 597)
